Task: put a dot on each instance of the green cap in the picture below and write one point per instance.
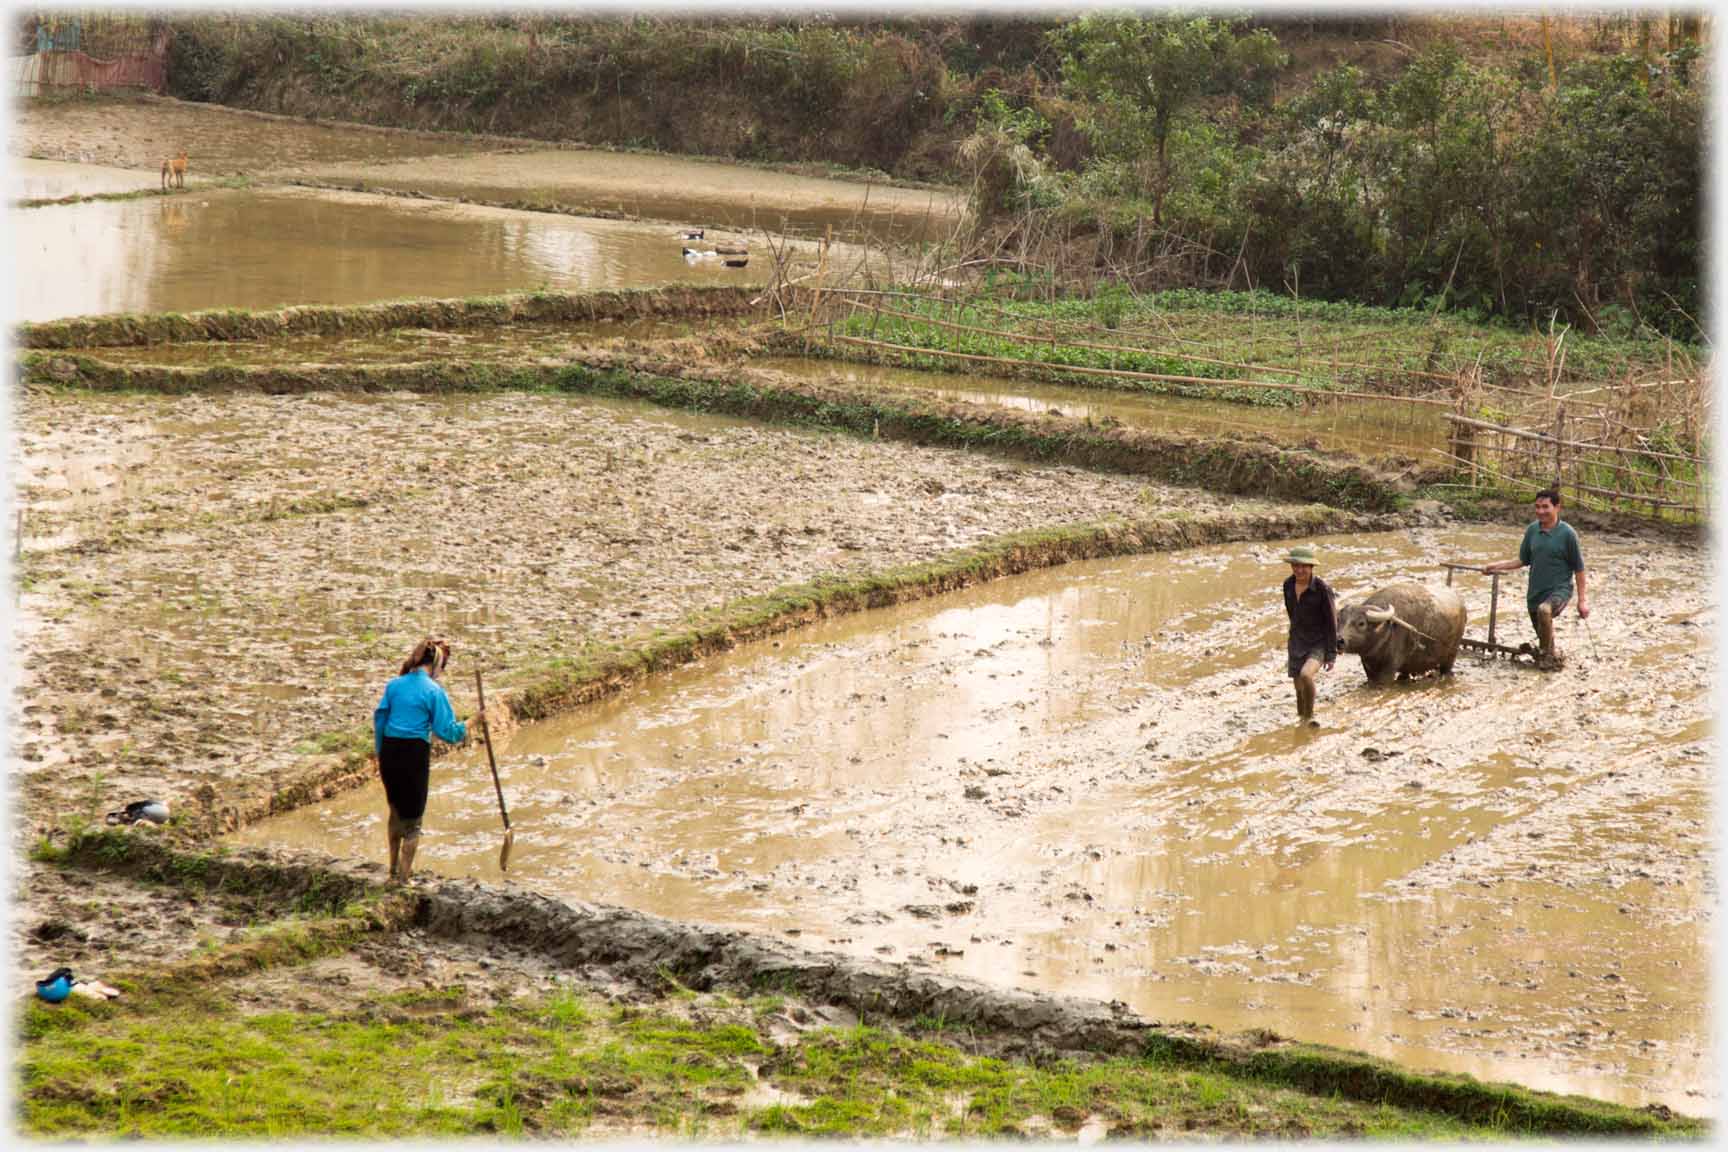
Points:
(1301, 554)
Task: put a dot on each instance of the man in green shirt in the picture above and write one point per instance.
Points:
(1550, 550)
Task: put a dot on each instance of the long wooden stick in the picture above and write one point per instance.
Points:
(1544, 438)
(486, 734)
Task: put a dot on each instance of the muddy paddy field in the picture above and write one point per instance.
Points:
(1085, 780)
(851, 718)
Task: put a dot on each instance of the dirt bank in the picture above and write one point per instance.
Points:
(517, 342)
(697, 193)
(48, 180)
(138, 132)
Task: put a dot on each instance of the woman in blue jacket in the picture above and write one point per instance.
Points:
(414, 707)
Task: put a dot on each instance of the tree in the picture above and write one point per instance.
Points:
(1140, 74)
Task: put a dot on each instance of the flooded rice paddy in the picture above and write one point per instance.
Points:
(1366, 428)
(239, 249)
(1088, 780)
(1084, 780)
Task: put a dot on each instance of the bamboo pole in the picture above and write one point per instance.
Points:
(1543, 437)
(816, 293)
(1509, 480)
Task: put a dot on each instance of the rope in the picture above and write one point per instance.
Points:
(1396, 619)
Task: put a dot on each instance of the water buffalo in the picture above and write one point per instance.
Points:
(1403, 630)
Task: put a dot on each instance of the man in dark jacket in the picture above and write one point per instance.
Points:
(1313, 642)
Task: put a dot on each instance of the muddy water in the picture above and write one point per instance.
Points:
(232, 249)
(675, 188)
(1087, 780)
(1368, 428)
(408, 345)
(51, 179)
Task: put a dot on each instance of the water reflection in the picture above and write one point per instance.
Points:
(230, 249)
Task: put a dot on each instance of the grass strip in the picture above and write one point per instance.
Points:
(1325, 1070)
(761, 394)
(434, 1063)
(227, 182)
(513, 308)
(1220, 465)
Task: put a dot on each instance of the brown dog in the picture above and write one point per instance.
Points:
(174, 169)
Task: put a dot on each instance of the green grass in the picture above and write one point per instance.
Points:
(875, 1082)
(339, 742)
(916, 335)
(430, 1064)
(1265, 325)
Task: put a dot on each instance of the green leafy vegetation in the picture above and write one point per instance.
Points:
(1406, 161)
(1183, 331)
(204, 1062)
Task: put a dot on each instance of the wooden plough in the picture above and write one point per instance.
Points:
(1490, 647)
